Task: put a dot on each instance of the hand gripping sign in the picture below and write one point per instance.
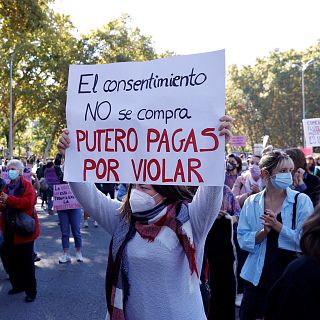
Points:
(147, 122)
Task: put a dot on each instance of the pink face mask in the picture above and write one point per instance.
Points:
(254, 171)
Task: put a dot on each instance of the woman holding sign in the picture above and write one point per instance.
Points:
(157, 246)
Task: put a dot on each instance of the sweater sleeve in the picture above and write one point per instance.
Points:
(204, 209)
(102, 208)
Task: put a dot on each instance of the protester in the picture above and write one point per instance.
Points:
(269, 228)
(17, 255)
(157, 245)
(302, 180)
(317, 168)
(220, 252)
(249, 182)
(53, 175)
(68, 219)
(85, 221)
(107, 188)
(233, 170)
(310, 164)
(122, 191)
(312, 168)
(296, 294)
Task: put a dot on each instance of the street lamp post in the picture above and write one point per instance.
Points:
(303, 68)
(11, 110)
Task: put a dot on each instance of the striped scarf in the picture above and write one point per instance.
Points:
(117, 282)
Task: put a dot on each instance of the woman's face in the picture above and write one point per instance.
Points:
(147, 188)
(283, 167)
(254, 160)
(15, 177)
(11, 167)
(310, 162)
(232, 161)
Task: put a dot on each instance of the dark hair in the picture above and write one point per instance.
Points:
(271, 160)
(298, 158)
(238, 159)
(310, 239)
(49, 164)
(171, 193)
(57, 160)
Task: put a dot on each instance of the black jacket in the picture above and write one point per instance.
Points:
(313, 189)
(296, 295)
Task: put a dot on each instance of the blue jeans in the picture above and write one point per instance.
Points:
(70, 218)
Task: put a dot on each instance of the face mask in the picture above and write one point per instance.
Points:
(254, 170)
(230, 166)
(282, 180)
(13, 174)
(244, 166)
(141, 201)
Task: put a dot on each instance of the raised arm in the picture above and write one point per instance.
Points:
(204, 209)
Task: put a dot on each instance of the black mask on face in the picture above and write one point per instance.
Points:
(231, 166)
(312, 167)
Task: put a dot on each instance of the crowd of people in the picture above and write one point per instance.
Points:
(181, 252)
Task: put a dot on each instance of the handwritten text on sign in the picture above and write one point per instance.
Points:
(63, 198)
(147, 122)
(238, 141)
(311, 128)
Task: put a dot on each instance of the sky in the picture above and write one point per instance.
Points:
(246, 29)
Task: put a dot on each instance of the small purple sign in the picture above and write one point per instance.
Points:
(238, 141)
(63, 198)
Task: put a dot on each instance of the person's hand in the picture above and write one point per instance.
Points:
(221, 214)
(64, 142)
(255, 189)
(269, 220)
(3, 197)
(298, 177)
(225, 128)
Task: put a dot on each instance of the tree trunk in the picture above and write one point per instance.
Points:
(50, 141)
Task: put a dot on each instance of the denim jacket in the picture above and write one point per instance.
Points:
(250, 223)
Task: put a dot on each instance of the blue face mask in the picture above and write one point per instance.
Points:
(13, 174)
(282, 180)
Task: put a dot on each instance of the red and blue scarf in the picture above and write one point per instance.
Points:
(117, 281)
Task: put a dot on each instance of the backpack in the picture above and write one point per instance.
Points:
(43, 184)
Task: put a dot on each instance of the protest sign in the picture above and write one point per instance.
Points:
(311, 128)
(63, 198)
(147, 122)
(238, 141)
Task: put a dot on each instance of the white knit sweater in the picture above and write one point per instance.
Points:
(161, 285)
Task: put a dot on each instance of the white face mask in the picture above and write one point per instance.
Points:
(141, 201)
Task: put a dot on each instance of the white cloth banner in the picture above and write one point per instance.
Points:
(311, 129)
(152, 122)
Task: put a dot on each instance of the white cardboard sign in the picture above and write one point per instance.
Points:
(152, 122)
(311, 128)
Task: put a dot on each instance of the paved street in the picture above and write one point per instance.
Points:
(72, 291)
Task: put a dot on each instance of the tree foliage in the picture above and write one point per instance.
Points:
(40, 70)
(266, 98)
